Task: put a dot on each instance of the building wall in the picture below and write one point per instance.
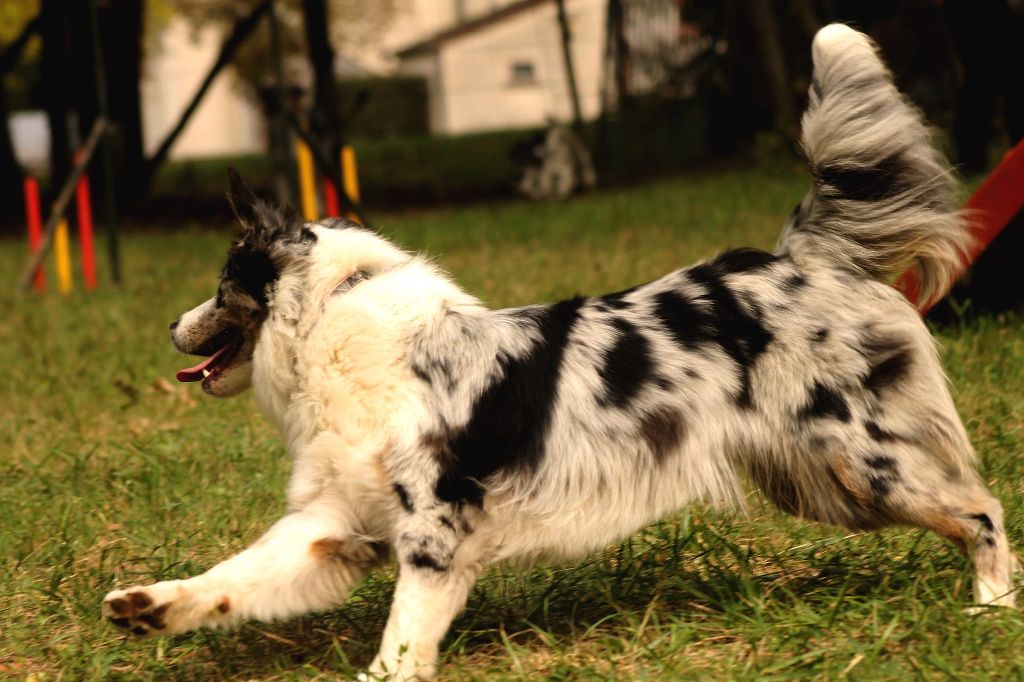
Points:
(418, 19)
(475, 71)
(226, 122)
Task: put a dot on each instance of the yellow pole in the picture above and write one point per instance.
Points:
(307, 181)
(62, 253)
(350, 176)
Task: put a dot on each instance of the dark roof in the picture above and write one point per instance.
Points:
(467, 27)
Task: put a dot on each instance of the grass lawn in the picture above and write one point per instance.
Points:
(112, 475)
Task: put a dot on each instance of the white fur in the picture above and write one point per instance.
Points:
(373, 380)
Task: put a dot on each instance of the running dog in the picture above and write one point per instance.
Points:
(447, 436)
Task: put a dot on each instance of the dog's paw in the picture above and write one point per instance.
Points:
(137, 611)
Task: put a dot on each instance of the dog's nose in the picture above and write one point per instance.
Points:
(174, 325)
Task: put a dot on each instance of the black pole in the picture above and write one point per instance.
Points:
(102, 107)
(283, 134)
(570, 71)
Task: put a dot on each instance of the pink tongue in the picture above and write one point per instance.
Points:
(196, 373)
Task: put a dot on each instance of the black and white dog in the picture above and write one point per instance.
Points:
(430, 429)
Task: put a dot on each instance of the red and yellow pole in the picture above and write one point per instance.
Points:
(34, 219)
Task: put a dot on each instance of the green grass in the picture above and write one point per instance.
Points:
(111, 475)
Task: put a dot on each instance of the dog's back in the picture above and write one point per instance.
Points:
(802, 369)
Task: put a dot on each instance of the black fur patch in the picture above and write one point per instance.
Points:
(509, 422)
(251, 270)
(428, 368)
(249, 265)
(741, 336)
(716, 317)
(874, 183)
(887, 372)
(627, 365)
(424, 560)
(687, 322)
(880, 435)
(883, 476)
(663, 430)
(984, 520)
(743, 260)
(794, 283)
(447, 523)
(881, 462)
(824, 402)
(881, 486)
(819, 335)
(616, 300)
(403, 497)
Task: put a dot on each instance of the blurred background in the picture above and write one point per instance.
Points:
(537, 149)
(451, 100)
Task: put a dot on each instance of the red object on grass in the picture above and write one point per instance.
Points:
(990, 208)
(331, 206)
(34, 219)
(84, 205)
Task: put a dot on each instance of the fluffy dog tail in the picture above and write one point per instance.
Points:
(884, 199)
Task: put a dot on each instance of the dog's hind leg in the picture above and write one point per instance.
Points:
(901, 485)
(967, 513)
(307, 561)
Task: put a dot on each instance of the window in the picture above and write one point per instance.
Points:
(523, 74)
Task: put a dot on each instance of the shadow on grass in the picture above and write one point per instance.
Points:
(670, 574)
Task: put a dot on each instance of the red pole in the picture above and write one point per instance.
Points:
(84, 206)
(990, 208)
(34, 218)
(331, 206)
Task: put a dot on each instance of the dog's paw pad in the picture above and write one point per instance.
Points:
(135, 611)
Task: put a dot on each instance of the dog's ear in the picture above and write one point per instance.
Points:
(262, 223)
(243, 201)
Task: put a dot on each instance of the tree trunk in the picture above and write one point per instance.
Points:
(54, 16)
(570, 71)
(11, 172)
(769, 42)
(121, 30)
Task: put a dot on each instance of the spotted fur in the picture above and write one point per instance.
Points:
(456, 436)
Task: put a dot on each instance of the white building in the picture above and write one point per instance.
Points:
(505, 68)
(227, 121)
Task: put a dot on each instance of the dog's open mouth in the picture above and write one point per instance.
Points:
(221, 350)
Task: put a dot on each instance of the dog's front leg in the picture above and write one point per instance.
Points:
(307, 561)
(437, 567)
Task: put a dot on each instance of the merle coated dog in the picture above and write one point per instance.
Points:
(430, 429)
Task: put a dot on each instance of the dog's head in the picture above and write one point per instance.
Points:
(225, 328)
